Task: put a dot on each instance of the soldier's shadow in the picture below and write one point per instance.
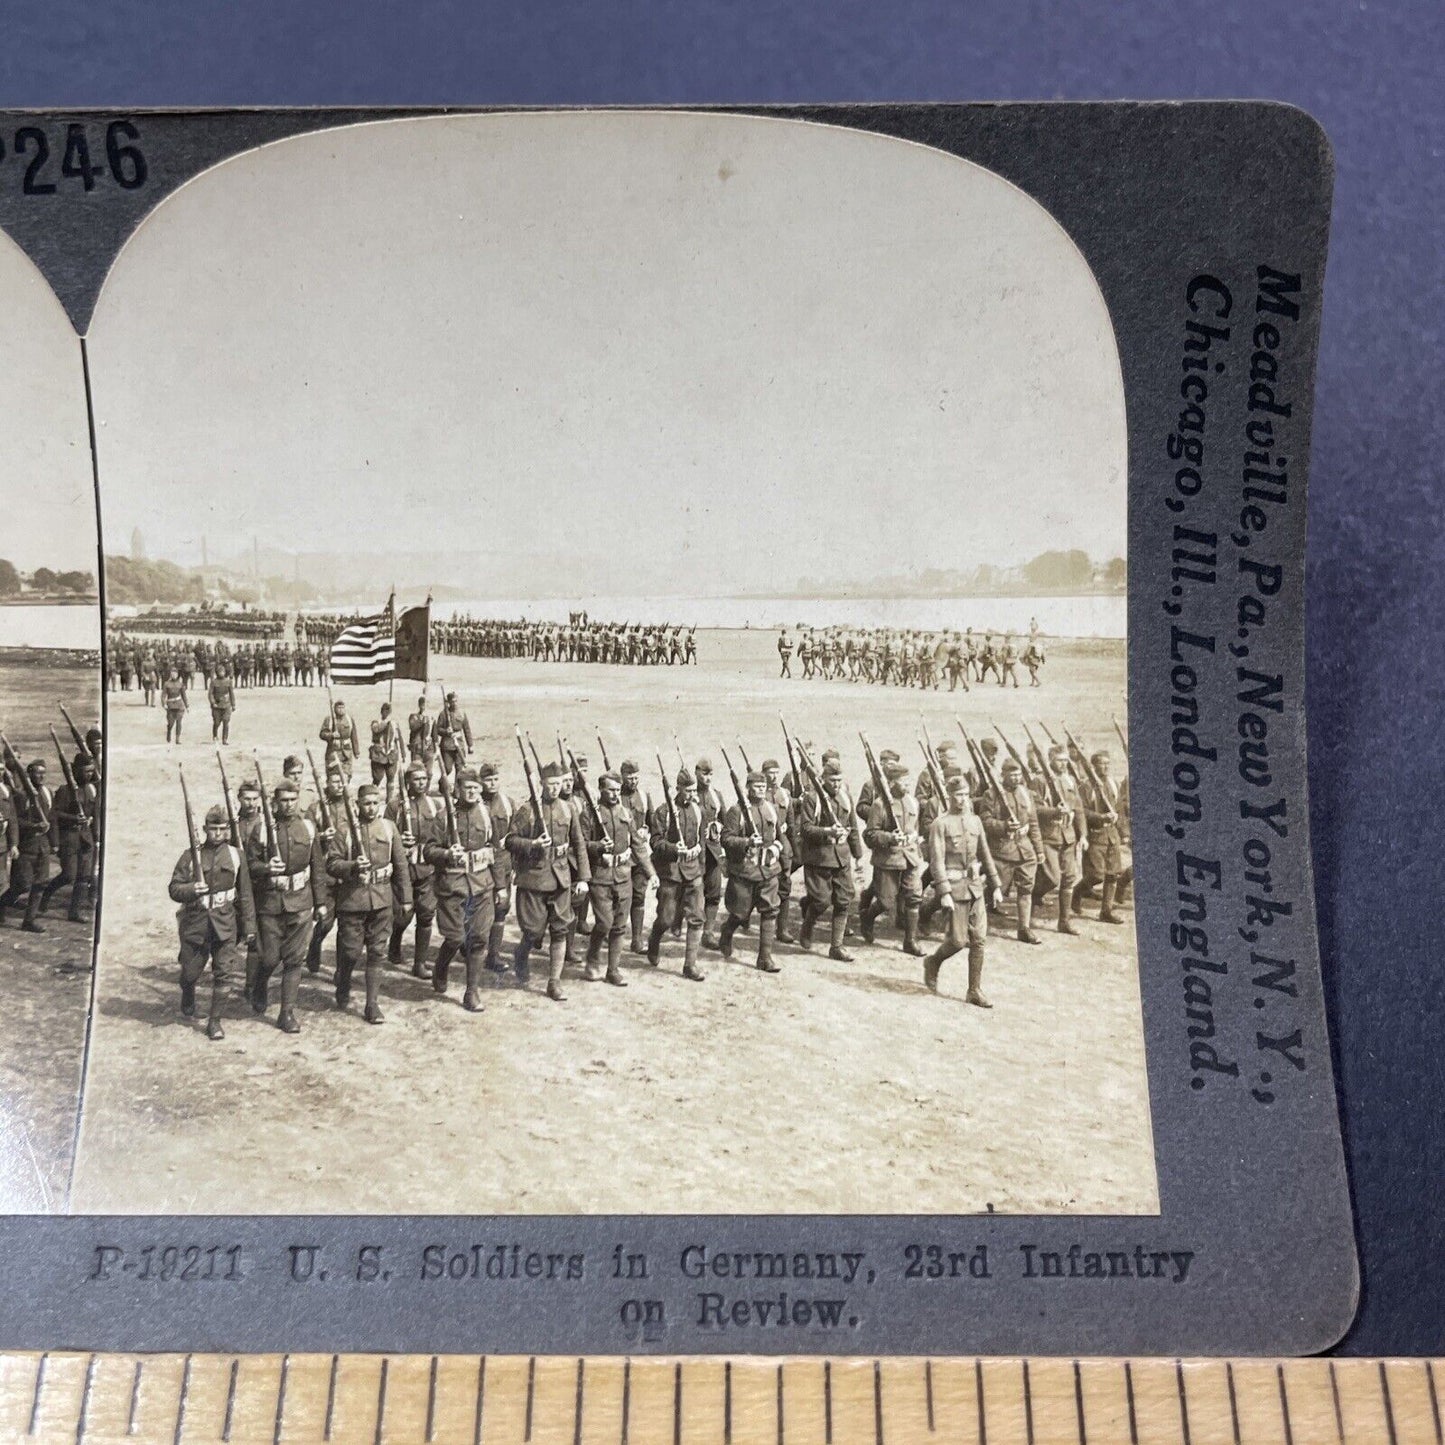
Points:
(160, 1003)
(865, 980)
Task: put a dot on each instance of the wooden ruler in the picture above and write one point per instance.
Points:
(502, 1399)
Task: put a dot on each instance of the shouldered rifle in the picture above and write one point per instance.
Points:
(602, 749)
(674, 833)
(928, 741)
(681, 761)
(408, 820)
(792, 759)
(273, 846)
(33, 794)
(321, 799)
(1123, 741)
(1089, 773)
(70, 781)
(536, 760)
(990, 778)
(1053, 741)
(935, 774)
(825, 803)
(538, 826)
(1056, 794)
(333, 728)
(880, 785)
(230, 802)
(744, 808)
(454, 835)
(743, 754)
(83, 747)
(579, 781)
(198, 874)
(1013, 752)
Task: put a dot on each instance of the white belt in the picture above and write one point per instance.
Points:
(956, 873)
(293, 882)
(219, 899)
(622, 858)
(479, 858)
(380, 872)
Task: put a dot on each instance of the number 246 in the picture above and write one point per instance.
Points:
(123, 157)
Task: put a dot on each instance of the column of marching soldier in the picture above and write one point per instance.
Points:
(909, 657)
(440, 846)
(39, 824)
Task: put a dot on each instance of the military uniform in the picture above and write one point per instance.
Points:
(1061, 826)
(711, 802)
(639, 808)
(285, 906)
(454, 736)
(1108, 855)
(614, 853)
(499, 806)
(679, 848)
(173, 699)
(372, 883)
(211, 923)
(544, 879)
(31, 867)
(385, 753)
(752, 842)
(828, 867)
(342, 742)
(1016, 845)
(466, 896)
(73, 819)
(425, 819)
(221, 695)
(897, 867)
(962, 868)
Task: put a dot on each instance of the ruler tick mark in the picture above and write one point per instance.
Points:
(928, 1391)
(1389, 1407)
(431, 1401)
(877, 1403)
(331, 1398)
(1079, 1403)
(677, 1404)
(1434, 1401)
(181, 1402)
(1234, 1403)
(281, 1402)
(728, 1402)
(780, 1405)
(1339, 1413)
(230, 1402)
(1133, 1417)
(982, 1417)
(531, 1394)
(1183, 1400)
(135, 1400)
(828, 1402)
(577, 1409)
(1284, 1406)
(85, 1399)
(380, 1402)
(1028, 1406)
(626, 1398)
(481, 1395)
(35, 1398)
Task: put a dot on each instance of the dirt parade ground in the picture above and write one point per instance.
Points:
(830, 1087)
(46, 976)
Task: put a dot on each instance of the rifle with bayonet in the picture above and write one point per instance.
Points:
(538, 825)
(273, 844)
(81, 745)
(454, 836)
(17, 768)
(1089, 773)
(792, 760)
(1056, 794)
(579, 781)
(674, 833)
(745, 812)
(1123, 740)
(82, 816)
(198, 874)
(990, 778)
(323, 804)
(230, 802)
(880, 785)
(602, 750)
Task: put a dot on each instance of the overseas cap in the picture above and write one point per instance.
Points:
(468, 775)
(291, 764)
(685, 779)
(771, 763)
(756, 777)
(611, 778)
(418, 770)
(894, 768)
(630, 769)
(888, 755)
(704, 765)
(958, 783)
(832, 768)
(367, 790)
(216, 814)
(488, 770)
(550, 771)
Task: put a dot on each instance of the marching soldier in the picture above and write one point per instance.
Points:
(614, 854)
(1014, 840)
(499, 806)
(634, 798)
(785, 653)
(898, 863)
(175, 703)
(216, 909)
(30, 866)
(1008, 663)
(830, 847)
(9, 840)
(552, 871)
(679, 846)
(1033, 659)
(1061, 826)
(419, 818)
(964, 874)
(290, 897)
(327, 815)
(711, 802)
(421, 735)
(221, 694)
(343, 744)
(385, 751)
(785, 807)
(466, 887)
(1107, 855)
(453, 734)
(752, 843)
(74, 817)
(372, 883)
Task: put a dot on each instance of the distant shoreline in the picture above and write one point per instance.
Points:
(69, 599)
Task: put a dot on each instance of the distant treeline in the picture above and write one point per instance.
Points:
(1070, 572)
(44, 581)
(141, 582)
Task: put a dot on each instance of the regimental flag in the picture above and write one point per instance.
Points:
(413, 642)
(366, 651)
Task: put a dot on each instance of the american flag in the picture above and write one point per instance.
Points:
(366, 651)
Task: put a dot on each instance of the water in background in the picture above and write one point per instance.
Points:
(63, 625)
(1094, 615)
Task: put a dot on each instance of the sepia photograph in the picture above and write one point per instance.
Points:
(615, 639)
(50, 739)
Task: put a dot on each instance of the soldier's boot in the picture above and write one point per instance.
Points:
(975, 976)
(614, 961)
(784, 933)
(839, 928)
(595, 966)
(690, 952)
(571, 944)
(420, 968)
(1106, 901)
(494, 962)
(725, 938)
(214, 1031)
(372, 1013)
(709, 922)
(344, 967)
(79, 899)
(32, 907)
(313, 950)
(290, 988)
(393, 952)
(1076, 903)
(931, 965)
(635, 917)
(445, 954)
(188, 999)
(1065, 926)
(767, 931)
(472, 996)
(654, 940)
(1124, 887)
(910, 931)
(1026, 918)
(522, 959)
(556, 963)
(260, 991)
(745, 924)
(805, 933)
(868, 920)
(850, 920)
(48, 892)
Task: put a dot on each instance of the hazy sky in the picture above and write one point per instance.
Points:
(729, 351)
(47, 496)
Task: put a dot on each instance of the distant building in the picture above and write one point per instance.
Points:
(137, 546)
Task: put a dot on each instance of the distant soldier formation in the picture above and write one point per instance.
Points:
(210, 621)
(50, 836)
(436, 845)
(581, 639)
(908, 657)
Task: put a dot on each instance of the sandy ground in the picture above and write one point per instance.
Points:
(46, 976)
(830, 1087)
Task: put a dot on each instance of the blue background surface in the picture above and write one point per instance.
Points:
(1373, 73)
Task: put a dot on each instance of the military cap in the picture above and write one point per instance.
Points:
(1009, 765)
(215, 815)
(951, 771)
(468, 775)
(754, 776)
(685, 779)
(895, 767)
(630, 769)
(1102, 756)
(771, 763)
(551, 771)
(611, 778)
(285, 786)
(451, 697)
(291, 763)
(958, 783)
(335, 770)
(832, 755)
(888, 755)
(946, 746)
(704, 765)
(367, 790)
(249, 785)
(487, 770)
(417, 770)
(579, 758)
(832, 768)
